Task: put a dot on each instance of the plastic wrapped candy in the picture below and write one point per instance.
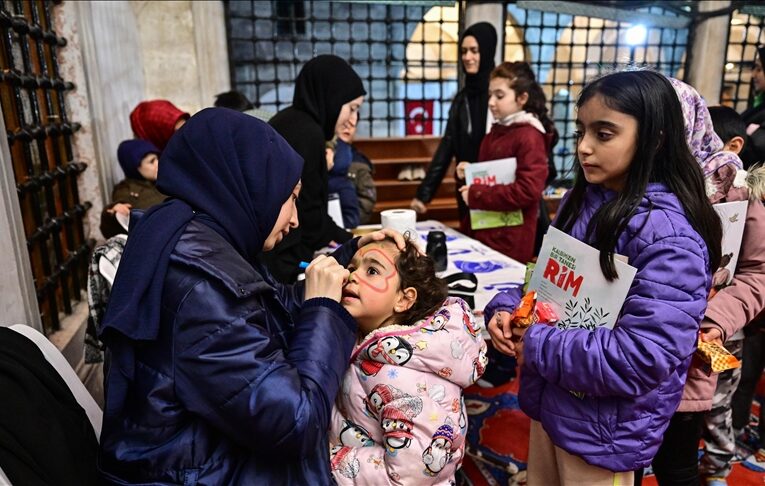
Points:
(718, 358)
(524, 316)
(530, 311)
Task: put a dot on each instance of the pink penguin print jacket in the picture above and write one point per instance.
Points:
(400, 417)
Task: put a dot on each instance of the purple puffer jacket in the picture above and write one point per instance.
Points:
(632, 376)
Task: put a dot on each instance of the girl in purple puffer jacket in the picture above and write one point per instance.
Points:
(638, 193)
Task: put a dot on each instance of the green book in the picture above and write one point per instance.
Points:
(494, 219)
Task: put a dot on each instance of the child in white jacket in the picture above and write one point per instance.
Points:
(400, 417)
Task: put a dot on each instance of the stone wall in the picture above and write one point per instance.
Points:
(121, 53)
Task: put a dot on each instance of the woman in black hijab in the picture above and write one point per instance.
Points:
(328, 95)
(466, 125)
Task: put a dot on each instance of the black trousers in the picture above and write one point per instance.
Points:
(752, 365)
(677, 462)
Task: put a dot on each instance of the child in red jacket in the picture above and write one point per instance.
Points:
(524, 131)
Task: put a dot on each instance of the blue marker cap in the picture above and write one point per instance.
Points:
(303, 265)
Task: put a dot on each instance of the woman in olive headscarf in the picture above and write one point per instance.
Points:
(328, 95)
(466, 125)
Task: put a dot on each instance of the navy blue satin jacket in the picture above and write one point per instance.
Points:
(239, 386)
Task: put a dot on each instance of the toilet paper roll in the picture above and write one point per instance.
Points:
(401, 220)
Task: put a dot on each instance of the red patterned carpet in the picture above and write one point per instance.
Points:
(498, 436)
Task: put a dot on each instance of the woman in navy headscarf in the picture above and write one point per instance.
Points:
(217, 374)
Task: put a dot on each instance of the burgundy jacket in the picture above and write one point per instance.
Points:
(530, 148)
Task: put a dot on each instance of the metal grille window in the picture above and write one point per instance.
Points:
(39, 136)
(569, 44)
(745, 35)
(406, 54)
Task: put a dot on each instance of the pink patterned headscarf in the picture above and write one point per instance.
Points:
(704, 143)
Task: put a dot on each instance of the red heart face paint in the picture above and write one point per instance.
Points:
(376, 258)
(372, 290)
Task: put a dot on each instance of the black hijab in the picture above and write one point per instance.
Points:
(477, 85)
(231, 171)
(323, 86)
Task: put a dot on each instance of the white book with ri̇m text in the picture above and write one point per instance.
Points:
(568, 277)
(490, 173)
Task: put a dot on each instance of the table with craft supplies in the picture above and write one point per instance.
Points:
(494, 271)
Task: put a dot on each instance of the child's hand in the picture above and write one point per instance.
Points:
(506, 337)
(324, 277)
(121, 208)
(460, 169)
(711, 334)
(464, 191)
(330, 158)
(499, 328)
(518, 333)
(418, 206)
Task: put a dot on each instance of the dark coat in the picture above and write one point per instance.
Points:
(466, 125)
(458, 142)
(361, 172)
(341, 184)
(754, 148)
(530, 147)
(316, 228)
(139, 193)
(45, 436)
(323, 86)
(239, 384)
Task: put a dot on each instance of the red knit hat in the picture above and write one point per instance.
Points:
(385, 392)
(393, 413)
(155, 121)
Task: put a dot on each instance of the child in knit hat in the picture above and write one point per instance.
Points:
(139, 160)
(156, 121)
(400, 417)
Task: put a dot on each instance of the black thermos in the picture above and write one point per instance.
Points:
(436, 249)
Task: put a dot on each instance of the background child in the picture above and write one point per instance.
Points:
(638, 193)
(730, 306)
(139, 160)
(400, 417)
(734, 305)
(361, 172)
(156, 121)
(523, 131)
(339, 183)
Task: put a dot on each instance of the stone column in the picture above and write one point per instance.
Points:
(108, 35)
(84, 142)
(710, 44)
(212, 53)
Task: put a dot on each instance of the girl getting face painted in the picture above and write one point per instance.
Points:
(372, 294)
(389, 286)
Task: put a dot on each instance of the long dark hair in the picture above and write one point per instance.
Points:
(521, 79)
(662, 155)
(419, 271)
